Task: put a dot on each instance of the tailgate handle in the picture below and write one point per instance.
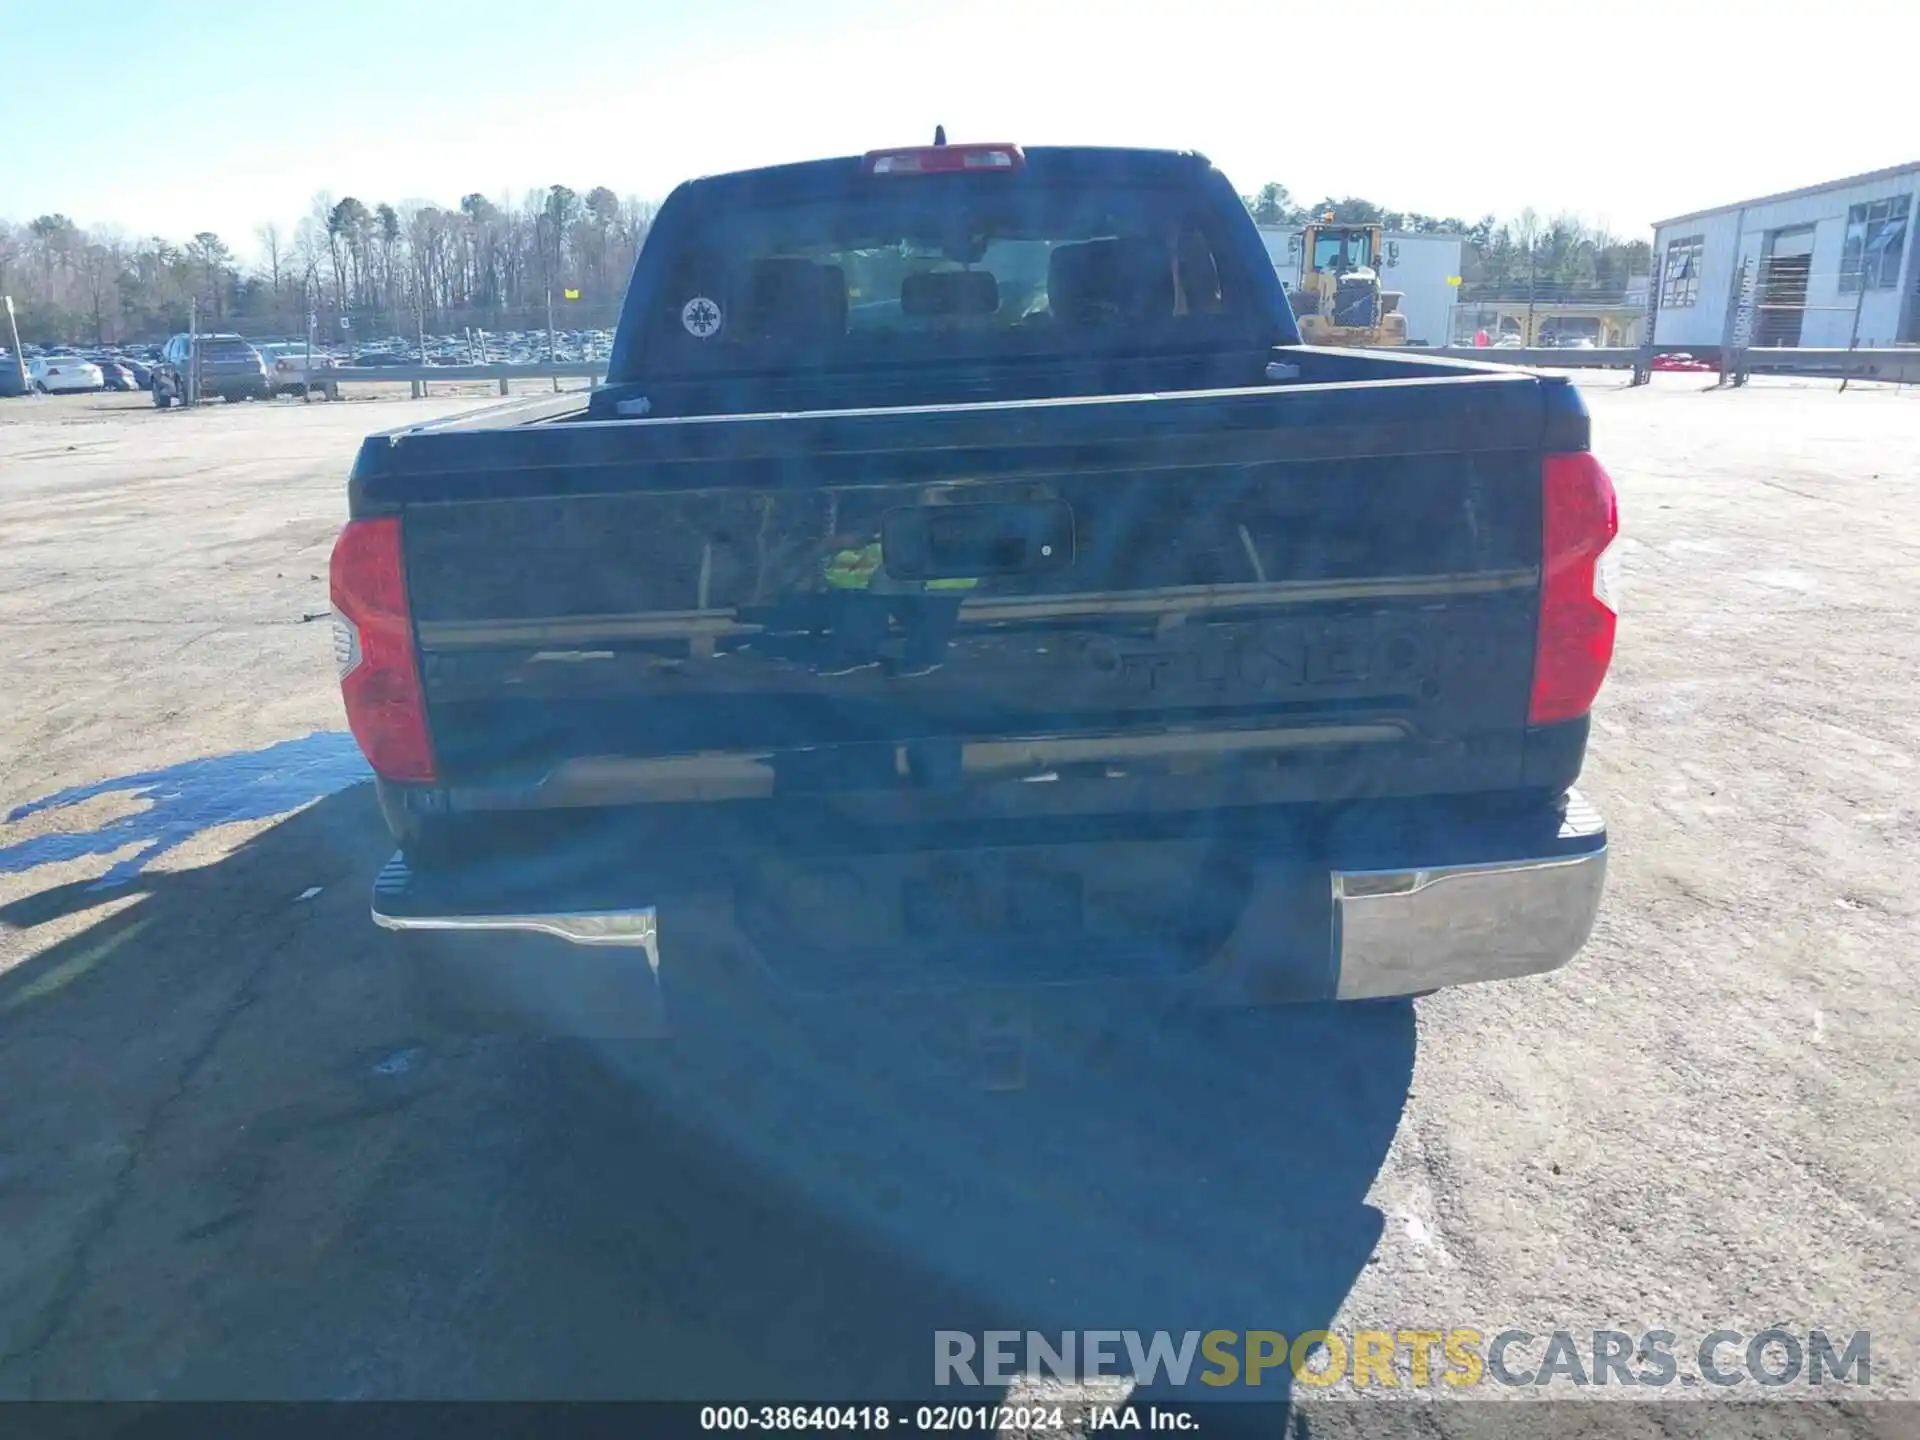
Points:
(953, 542)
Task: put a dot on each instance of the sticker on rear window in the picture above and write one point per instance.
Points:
(701, 317)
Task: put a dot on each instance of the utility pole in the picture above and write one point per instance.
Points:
(1743, 315)
(552, 263)
(193, 351)
(306, 296)
(1643, 363)
(1859, 299)
(1532, 272)
(19, 360)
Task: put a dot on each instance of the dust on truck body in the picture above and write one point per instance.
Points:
(966, 577)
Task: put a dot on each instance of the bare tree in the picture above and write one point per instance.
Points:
(214, 263)
(270, 248)
(55, 237)
(384, 232)
(487, 262)
(100, 271)
(11, 249)
(342, 237)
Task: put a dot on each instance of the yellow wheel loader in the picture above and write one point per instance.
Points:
(1338, 299)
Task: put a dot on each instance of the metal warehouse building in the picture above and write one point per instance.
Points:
(1825, 266)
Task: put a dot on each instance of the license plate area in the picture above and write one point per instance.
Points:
(1001, 915)
(989, 896)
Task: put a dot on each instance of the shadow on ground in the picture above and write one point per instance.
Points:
(182, 800)
(244, 1153)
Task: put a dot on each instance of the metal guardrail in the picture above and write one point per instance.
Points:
(420, 376)
(577, 370)
(1900, 365)
(1550, 357)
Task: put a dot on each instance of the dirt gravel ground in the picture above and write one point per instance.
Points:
(246, 1150)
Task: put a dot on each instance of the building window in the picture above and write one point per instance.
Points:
(1680, 286)
(1876, 239)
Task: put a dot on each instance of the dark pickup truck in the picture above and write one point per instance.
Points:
(965, 577)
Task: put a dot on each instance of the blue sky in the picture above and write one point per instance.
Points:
(1478, 105)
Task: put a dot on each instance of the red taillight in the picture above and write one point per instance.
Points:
(1578, 521)
(944, 159)
(373, 643)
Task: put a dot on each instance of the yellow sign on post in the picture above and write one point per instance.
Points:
(570, 294)
(1453, 279)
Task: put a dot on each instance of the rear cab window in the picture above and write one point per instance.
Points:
(855, 269)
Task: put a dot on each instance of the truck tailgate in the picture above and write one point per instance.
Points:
(1165, 602)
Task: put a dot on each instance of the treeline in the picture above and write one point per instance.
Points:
(1561, 257)
(491, 264)
(386, 268)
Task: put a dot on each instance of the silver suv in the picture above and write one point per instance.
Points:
(290, 371)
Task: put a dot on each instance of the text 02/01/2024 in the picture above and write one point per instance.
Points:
(927, 1419)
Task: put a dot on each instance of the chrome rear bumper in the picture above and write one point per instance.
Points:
(1497, 901)
(605, 927)
(1403, 932)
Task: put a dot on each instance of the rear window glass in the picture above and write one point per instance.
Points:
(924, 267)
(226, 349)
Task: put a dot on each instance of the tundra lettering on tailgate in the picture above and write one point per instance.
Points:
(1404, 658)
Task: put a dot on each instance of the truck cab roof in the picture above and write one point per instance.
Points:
(1048, 163)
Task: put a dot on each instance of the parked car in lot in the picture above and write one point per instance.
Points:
(57, 374)
(116, 376)
(13, 378)
(289, 371)
(793, 616)
(141, 372)
(380, 359)
(228, 367)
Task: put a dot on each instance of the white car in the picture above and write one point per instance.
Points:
(52, 374)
